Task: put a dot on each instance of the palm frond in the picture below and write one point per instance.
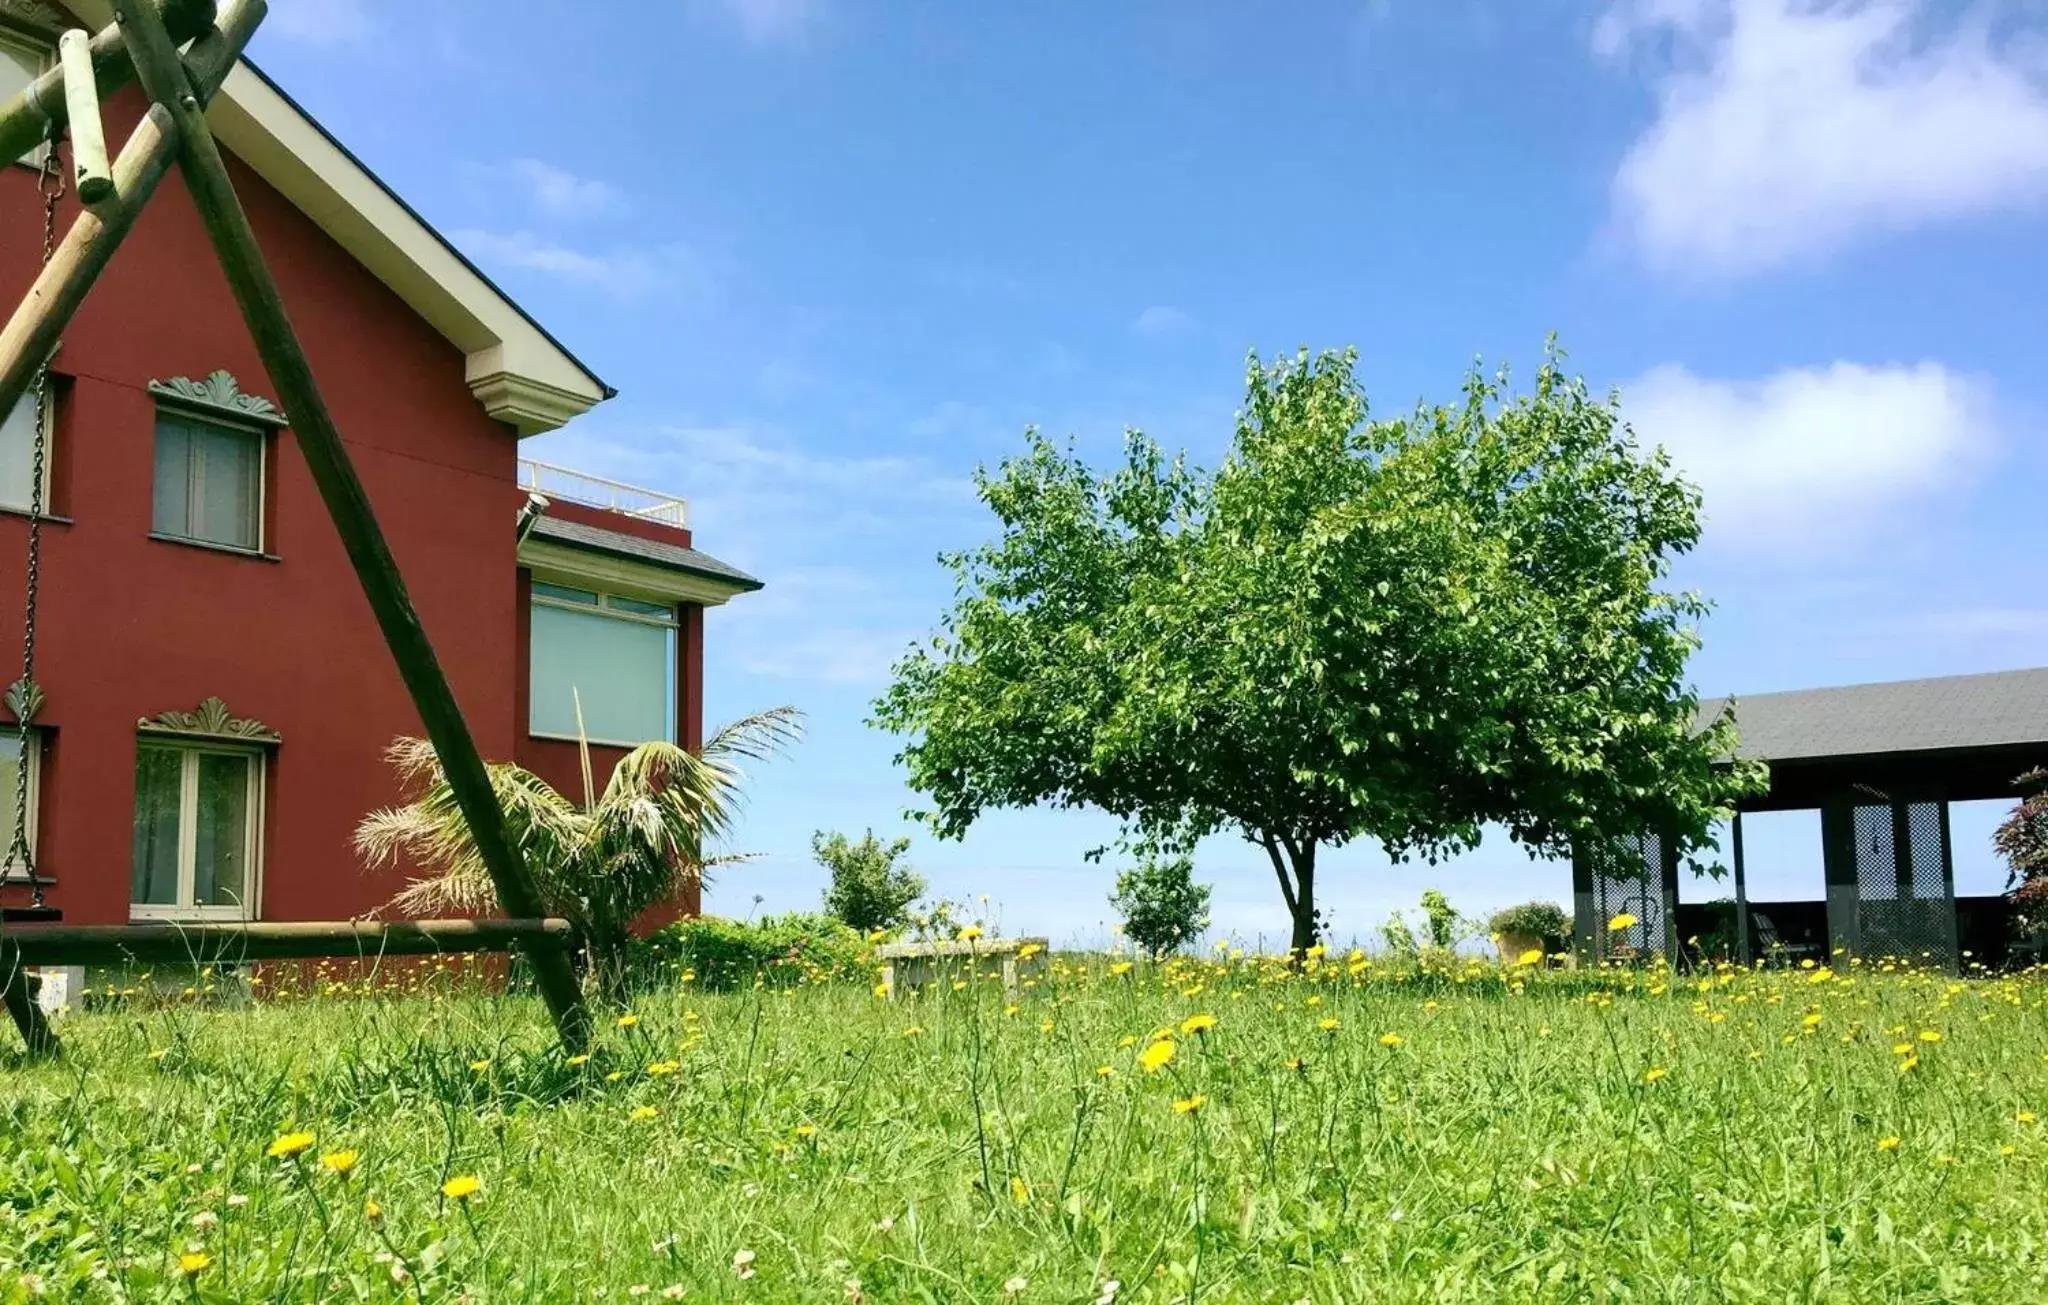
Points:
(758, 737)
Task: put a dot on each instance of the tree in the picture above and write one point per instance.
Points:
(2021, 840)
(1401, 630)
(869, 890)
(598, 864)
(1162, 906)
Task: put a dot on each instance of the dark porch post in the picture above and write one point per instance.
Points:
(1838, 865)
(1742, 954)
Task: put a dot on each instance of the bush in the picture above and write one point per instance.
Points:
(869, 890)
(727, 954)
(1162, 905)
(1544, 920)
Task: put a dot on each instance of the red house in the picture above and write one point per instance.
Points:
(217, 697)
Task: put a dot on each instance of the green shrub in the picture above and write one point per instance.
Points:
(1545, 920)
(1162, 905)
(726, 954)
(869, 890)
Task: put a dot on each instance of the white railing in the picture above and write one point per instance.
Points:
(547, 479)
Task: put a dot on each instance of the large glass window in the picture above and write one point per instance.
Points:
(21, 61)
(10, 786)
(195, 831)
(613, 656)
(17, 455)
(209, 482)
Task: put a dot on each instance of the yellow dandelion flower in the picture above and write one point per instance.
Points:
(662, 1068)
(1887, 1143)
(1908, 1064)
(1620, 922)
(806, 1131)
(1390, 1039)
(479, 1066)
(372, 1211)
(970, 933)
(288, 1145)
(1328, 1024)
(462, 1187)
(1120, 968)
(339, 1162)
(1655, 1072)
(580, 1058)
(1020, 1191)
(1902, 1048)
(1534, 956)
(1029, 950)
(639, 1114)
(1930, 1035)
(1189, 1105)
(1155, 1057)
(1127, 1041)
(628, 1020)
(192, 1263)
(1194, 1024)
(1104, 1071)
(914, 1031)
(2025, 1117)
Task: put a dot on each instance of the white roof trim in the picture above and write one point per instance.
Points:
(516, 370)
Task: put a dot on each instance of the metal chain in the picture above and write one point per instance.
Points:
(50, 185)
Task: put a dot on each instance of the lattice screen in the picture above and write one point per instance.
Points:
(1904, 886)
(1628, 879)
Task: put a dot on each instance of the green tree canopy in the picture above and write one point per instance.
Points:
(1401, 630)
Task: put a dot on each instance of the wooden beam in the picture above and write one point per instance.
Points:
(234, 243)
(93, 178)
(234, 943)
(26, 118)
(31, 334)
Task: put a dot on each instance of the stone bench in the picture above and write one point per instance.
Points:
(908, 966)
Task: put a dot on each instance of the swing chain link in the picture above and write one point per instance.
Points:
(49, 185)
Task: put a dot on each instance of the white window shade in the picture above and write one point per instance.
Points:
(621, 670)
(17, 452)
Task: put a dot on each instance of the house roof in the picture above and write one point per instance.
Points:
(517, 370)
(1998, 709)
(615, 543)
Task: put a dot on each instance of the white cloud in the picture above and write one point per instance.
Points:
(620, 272)
(557, 192)
(1161, 320)
(1812, 456)
(321, 22)
(772, 22)
(1787, 129)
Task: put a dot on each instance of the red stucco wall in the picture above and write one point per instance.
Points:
(132, 626)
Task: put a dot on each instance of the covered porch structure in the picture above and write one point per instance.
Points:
(1881, 763)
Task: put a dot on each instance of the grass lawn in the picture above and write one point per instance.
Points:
(1344, 1135)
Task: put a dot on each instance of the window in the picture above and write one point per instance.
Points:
(10, 781)
(22, 60)
(197, 811)
(615, 657)
(209, 482)
(18, 456)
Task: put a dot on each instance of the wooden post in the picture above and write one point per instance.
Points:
(26, 119)
(1742, 955)
(31, 334)
(94, 179)
(234, 242)
(21, 1003)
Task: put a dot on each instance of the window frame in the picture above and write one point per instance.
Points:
(185, 909)
(545, 592)
(258, 434)
(10, 871)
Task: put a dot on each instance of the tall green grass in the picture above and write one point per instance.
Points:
(1480, 1135)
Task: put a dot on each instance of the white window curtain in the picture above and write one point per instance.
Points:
(17, 454)
(622, 670)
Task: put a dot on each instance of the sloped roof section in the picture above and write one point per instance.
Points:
(1997, 709)
(520, 373)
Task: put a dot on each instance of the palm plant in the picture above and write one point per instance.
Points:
(598, 864)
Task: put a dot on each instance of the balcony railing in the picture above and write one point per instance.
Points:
(547, 479)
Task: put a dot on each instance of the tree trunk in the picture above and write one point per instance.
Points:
(1307, 927)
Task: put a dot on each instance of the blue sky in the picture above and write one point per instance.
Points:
(835, 254)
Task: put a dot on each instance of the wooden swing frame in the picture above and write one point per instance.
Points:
(143, 42)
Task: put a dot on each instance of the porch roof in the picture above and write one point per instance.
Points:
(1964, 736)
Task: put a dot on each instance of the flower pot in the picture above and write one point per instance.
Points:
(1512, 945)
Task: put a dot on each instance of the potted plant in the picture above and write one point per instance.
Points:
(1532, 926)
